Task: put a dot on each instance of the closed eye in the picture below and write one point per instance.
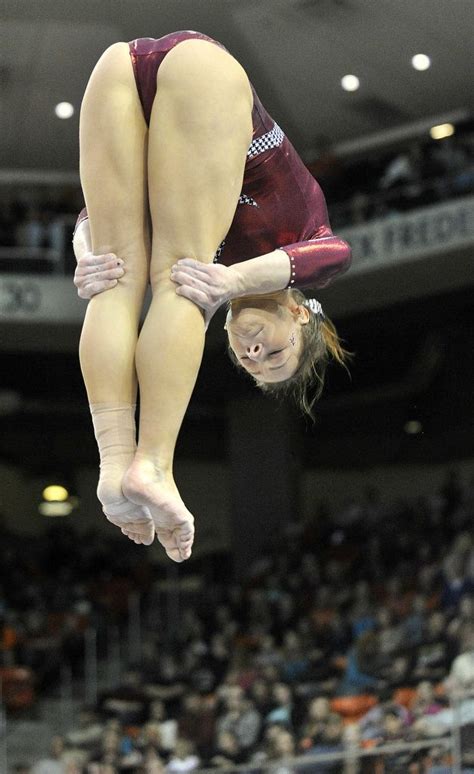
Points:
(276, 352)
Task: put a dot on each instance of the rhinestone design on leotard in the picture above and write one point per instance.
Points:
(244, 199)
(218, 252)
(272, 139)
(292, 272)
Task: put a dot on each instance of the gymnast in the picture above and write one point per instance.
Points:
(191, 187)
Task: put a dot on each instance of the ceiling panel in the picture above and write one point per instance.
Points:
(295, 51)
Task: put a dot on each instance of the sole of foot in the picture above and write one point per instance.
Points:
(174, 524)
(133, 520)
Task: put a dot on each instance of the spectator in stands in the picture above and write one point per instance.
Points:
(362, 613)
(30, 231)
(454, 167)
(329, 741)
(197, 723)
(296, 662)
(425, 702)
(252, 684)
(414, 625)
(109, 748)
(461, 675)
(260, 695)
(88, 731)
(282, 711)
(152, 764)
(390, 635)
(268, 654)
(392, 724)
(227, 752)
(183, 758)
(359, 208)
(282, 744)
(53, 764)
(361, 674)
(462, 619)
(240, 719)
(167, 727)
(402, 177)
(316, 719)
(456, 583)
(432, 657)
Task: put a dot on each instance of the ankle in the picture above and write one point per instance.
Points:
(109, 490)
(161, 466)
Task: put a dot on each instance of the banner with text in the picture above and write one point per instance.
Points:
(405, 237)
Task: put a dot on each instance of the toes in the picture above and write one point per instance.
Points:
(140, 538)
(176, 544)
(175, 555)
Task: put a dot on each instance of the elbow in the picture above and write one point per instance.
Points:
(341, 261)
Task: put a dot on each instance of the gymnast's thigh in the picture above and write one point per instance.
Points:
(113, 156)
(200, 131)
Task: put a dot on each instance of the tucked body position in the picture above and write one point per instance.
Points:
(191, 187)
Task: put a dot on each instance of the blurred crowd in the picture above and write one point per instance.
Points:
(357, 629)
(36, 228)
(377, 185)
(382, 184)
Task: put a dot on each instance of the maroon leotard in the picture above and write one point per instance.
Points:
(281, 205)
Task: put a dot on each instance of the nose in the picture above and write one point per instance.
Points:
(254, 351)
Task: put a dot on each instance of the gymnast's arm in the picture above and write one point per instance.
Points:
(94, 273)
(311, 263)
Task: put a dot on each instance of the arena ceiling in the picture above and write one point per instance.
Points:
(295, 51)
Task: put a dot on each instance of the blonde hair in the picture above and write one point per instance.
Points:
(320, 345)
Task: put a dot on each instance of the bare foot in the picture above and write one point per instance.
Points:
(144, 485)
(133, 520)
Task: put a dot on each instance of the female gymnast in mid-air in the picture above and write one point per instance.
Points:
(192, 187)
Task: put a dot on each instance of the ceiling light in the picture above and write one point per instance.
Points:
(421, 62)
(55, 493)
(64, 110)
(55, 509)
(413, 427)
(350, 83)
(441, 131)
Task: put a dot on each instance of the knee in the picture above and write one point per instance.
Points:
(135, 276)
(160, 278)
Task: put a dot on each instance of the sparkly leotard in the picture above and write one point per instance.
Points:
(281, 204)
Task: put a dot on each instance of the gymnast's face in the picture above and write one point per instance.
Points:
(265, 335)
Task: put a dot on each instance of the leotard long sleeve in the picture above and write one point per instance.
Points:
(281, 204)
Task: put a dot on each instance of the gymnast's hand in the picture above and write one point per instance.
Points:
(209, 285)
(96, 273)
